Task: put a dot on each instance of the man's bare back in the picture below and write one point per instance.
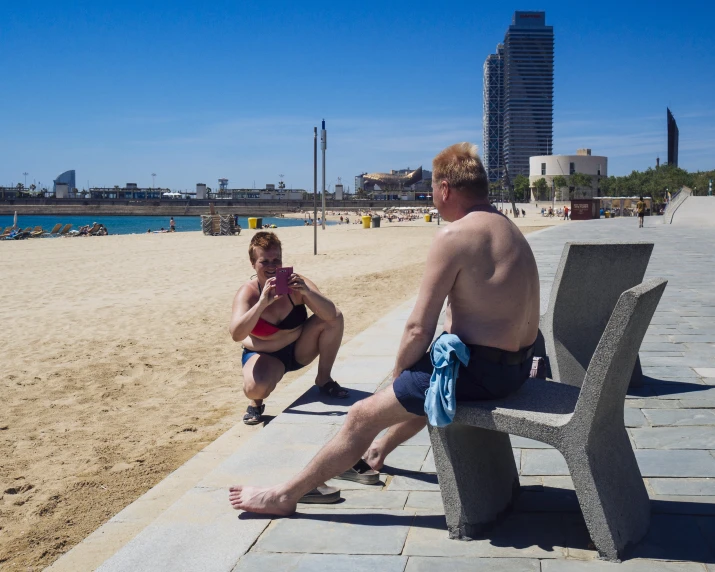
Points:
(495, 298)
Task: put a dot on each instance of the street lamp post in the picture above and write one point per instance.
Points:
(153, 185)
(26, 174)
(323, 146)
(315, 191)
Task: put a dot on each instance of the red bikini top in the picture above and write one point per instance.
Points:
(297, 316)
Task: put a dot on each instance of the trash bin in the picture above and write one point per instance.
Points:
(366, 220)
(607, 215)
(255, 222)
(428, 218)
(375, 222)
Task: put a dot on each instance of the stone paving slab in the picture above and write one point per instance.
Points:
(256, 561)
(339, 531)
(427, 564)
(679, 417)
(628, 566)
(195, 531)
(689, 487)
(519, 535)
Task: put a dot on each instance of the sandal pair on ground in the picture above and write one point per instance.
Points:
(254, 415)
(361, 472)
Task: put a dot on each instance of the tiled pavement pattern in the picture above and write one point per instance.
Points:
(399, 525)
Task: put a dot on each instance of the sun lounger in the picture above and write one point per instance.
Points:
(65, 229)
(7, 231)
(37, 232)
(55, 230)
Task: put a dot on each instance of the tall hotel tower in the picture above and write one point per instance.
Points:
(493, 118)
(518, 118)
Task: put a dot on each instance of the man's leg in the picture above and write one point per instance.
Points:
(395, 436)
(364, 421)
(320, 338)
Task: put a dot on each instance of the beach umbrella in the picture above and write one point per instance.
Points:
(14, 220)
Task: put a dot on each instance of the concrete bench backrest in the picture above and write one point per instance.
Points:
(600, 403)
(589, 281)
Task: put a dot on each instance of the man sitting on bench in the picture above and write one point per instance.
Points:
(485, 267)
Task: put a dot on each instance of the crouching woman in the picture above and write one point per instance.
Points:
(276, 333)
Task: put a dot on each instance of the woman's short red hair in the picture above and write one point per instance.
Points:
(264, 240)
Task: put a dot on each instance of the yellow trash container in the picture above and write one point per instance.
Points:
(607, 215)
(366, 220)
(255, 222)
(428, 218)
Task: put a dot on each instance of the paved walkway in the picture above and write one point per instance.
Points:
(399, 525)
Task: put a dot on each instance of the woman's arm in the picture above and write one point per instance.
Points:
(319, 304)
(245, 314)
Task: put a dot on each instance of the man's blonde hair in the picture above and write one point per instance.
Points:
(461, 167)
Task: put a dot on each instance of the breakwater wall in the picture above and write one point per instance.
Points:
(183, 207)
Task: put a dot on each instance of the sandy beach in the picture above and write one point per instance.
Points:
(118, 365)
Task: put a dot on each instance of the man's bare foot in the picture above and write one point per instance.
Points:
(261, 500)
(374, 456)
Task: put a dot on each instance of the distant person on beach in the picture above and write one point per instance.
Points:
(640, 208)
(172, 225)
(276, 332)
(484, 267)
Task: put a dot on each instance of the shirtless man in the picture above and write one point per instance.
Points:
(484, 266)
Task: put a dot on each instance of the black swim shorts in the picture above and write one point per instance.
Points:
(286, 355)
(491, 374)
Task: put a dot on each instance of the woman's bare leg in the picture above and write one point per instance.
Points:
(261, 374)
(320, 338)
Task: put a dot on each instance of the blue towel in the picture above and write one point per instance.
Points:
(440, 400)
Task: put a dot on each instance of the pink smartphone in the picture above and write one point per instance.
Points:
(282, 276)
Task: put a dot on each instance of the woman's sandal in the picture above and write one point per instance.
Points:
(332, 389)
(321, 495)
(254, 415)
(361, 472)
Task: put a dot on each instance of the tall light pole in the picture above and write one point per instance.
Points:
(26, 173)
(315, 191)
(152, 181)
(323, 146)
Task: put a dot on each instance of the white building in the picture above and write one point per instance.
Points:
(549, 166)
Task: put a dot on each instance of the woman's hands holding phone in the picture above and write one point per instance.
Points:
(297, 284)
(268, 294)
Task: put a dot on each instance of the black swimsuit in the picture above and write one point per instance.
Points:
(297, 316)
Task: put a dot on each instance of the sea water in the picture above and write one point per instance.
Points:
(129, 224)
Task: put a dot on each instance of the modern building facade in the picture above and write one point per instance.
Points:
(673, 139)
(519, 97)
(493, 116)
(66, 178)
(528, 91)
(549, 166)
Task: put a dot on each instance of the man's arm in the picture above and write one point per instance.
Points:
(440, 274)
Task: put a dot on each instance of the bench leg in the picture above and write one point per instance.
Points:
(637, 375)
(610, 490)
(477, 476)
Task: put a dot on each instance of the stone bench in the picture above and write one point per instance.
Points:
(477, 473)
(589, 280)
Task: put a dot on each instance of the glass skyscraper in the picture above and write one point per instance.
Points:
(527, 96)
(493, 118)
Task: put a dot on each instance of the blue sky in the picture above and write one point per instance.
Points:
(194, 91)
